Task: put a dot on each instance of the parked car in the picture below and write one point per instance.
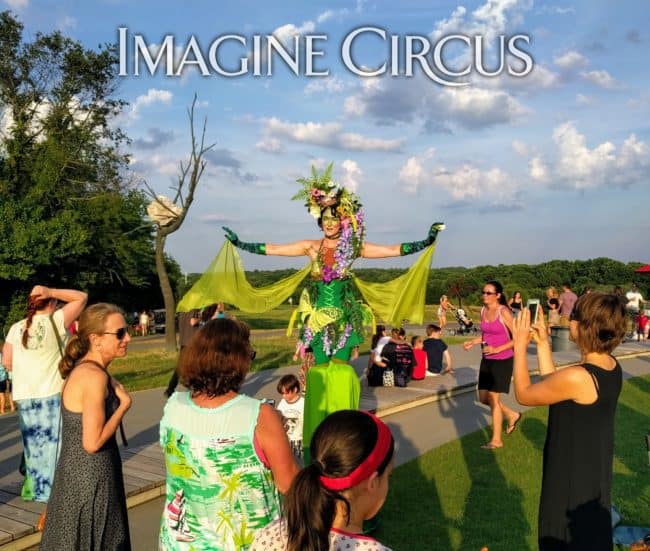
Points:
(158, 321)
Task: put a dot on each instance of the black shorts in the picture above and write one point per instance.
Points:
(495, 375)
(3, 386)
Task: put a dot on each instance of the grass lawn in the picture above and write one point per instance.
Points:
(459, 496)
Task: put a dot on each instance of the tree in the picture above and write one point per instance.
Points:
(68, 212)
(171, 217)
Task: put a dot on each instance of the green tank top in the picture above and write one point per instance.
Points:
(218, 492)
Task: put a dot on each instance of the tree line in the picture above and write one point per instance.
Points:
(464, 285)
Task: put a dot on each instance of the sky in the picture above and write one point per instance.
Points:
(551, 165)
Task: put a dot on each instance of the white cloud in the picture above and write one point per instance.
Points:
(464, 184)
(600, 78)
(270, 145)
(579, 167)
(328, 134)
(489, 20)
(479, 107)
(540, 78)
(285, 33)
(351, 175)
(330, 85)
(152, 96)
(581, 99)
(571, 60)
(17, 4)
(66, 22)
(159, 164)
(538, 170)
(389, 101)
(520, 148)
(641, 102)
(328, 14)
(557, 10)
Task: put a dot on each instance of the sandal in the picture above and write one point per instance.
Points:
(491, 446)
(511, 428)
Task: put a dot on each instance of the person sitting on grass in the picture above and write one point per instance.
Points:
(345, 484)
(575, 503)
(292, 408)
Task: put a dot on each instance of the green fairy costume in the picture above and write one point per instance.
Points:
(332, 319)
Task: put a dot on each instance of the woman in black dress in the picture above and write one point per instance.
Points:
(574, 509)
(516, 303)
(87, 507)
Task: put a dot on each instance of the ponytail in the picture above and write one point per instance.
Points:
(310, 510)
(76, 349)
(34, 304)
(91, 321)
(346, 448)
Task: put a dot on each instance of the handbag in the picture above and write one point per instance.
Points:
(388, 377)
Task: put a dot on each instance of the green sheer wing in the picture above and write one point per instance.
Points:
(225, 281)
(403, 297)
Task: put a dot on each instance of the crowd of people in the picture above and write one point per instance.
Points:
(307, 475)
(230, 457)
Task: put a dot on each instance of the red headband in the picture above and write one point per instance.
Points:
(368, 466)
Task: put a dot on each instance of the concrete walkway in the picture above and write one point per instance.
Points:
(17, 518)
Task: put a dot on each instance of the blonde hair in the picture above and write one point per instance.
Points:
(91, 321)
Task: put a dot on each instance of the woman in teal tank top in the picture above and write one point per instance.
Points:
(227, 455)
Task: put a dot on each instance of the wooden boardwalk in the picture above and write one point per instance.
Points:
(143, 465)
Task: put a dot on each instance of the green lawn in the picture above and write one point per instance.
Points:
(459, 496)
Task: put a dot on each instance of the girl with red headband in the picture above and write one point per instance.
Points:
(345, 484)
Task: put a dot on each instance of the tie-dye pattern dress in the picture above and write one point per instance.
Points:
(218, 491)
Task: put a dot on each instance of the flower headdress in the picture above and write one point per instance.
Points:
(320, 191)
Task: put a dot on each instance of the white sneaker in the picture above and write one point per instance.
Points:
(431, 374)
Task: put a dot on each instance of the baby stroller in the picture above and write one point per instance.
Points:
(465, 325)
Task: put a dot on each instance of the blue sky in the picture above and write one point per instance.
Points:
(552, 165)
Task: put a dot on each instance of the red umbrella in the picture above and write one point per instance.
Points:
(643, 269)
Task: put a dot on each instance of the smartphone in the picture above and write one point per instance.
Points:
(269, 401)
(533, 306)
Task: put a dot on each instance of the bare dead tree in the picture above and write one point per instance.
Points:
(189, 176)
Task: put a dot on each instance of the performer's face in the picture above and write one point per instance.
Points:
(331, 226)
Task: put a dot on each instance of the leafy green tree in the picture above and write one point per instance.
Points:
(69, 215)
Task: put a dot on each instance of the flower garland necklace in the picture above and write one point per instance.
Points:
(348, 248)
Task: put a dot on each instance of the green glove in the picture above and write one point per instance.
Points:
(255, 248)
(416, 246)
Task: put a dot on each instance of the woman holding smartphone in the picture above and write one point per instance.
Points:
(575, 502)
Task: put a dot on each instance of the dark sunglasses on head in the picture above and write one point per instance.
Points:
(120, 333)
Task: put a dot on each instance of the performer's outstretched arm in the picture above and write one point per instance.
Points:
(297, 248)
(371, 250)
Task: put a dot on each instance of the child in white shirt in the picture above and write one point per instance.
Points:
(292, 408)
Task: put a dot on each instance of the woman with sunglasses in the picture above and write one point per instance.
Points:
(575, 502)
(87, 508)
(227, 455)
(495, 371)
(32, 352)
(345, 484)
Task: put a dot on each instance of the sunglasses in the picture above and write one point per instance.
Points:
(120, 333)
(488, 293)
